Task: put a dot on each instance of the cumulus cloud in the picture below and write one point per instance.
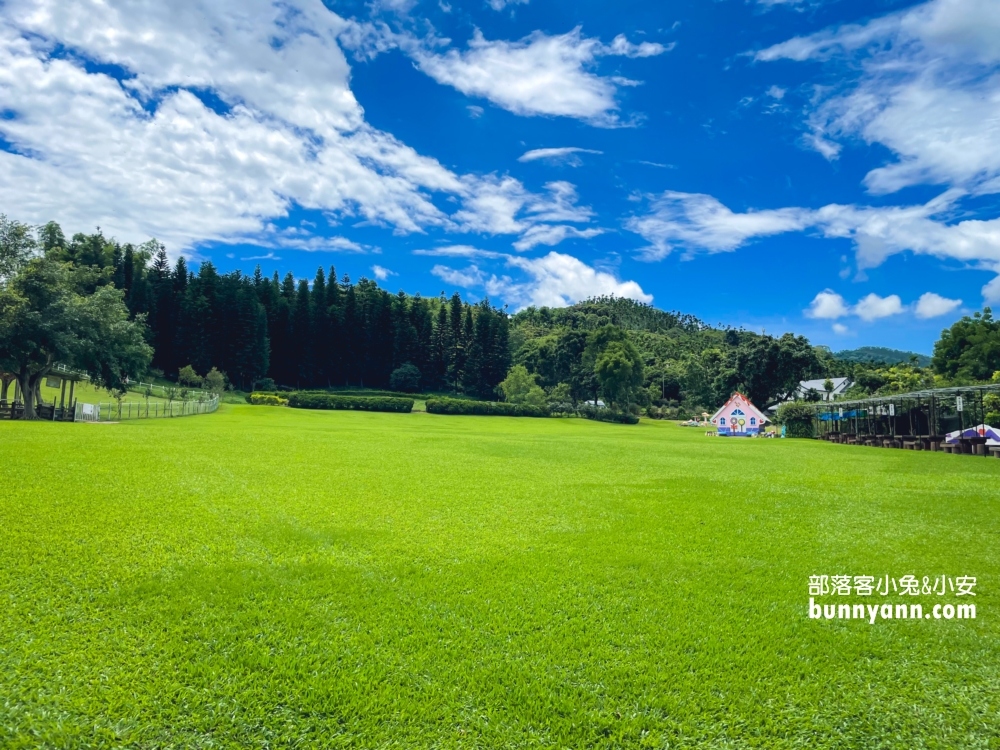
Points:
(224, 117)
(562, 155)
(554, 280)
(381, 273)
(874, 307)
(538, 75)
(558, 280)
(929, 90)
(828, 305)
(931, 305)
(146, 155)
(697, 222)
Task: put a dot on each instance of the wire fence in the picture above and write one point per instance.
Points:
(118, 412)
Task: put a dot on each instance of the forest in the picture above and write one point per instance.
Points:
(333, 332)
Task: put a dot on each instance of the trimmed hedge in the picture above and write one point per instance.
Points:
(607, 415)
(276, 394)
(484, 408)
(266, 399)
(357, 403)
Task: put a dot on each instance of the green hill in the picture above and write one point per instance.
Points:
(881, 354)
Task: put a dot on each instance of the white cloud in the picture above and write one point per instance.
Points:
(563, 155)
(874, 307)
(828, 305)
(620, 45)
(382, 273)
(470, 278)
(501, 205)
(552, 234)
(840, 329)
(89, 152)
(698, 222)
(694, 221)
(929, 91)
(493, 206)
(558, 280)
(458, 251)
(555, 280)
(931, 305)
(776, 92)
(501, 4)
(147, 156)
(269, 256)
(475, 111)
(538, 75)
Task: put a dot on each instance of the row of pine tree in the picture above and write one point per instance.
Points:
(328, 333)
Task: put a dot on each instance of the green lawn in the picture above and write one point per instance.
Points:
(264, 578)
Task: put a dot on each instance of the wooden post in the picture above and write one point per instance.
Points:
(72, 386)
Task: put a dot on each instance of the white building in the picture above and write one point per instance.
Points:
(839, 386)
(802, 389)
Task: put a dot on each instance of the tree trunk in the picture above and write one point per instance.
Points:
(5, 382)
(27, 396)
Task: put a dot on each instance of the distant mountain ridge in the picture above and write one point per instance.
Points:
(881, 354)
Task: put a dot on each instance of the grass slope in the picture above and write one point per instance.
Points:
(265, 577)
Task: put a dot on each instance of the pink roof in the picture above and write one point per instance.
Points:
(742, 402)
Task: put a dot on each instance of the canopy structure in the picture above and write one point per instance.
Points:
(925, 416)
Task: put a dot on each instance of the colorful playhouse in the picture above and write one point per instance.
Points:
(738, 418)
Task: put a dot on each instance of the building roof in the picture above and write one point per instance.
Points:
(839, 384)
(745, 403)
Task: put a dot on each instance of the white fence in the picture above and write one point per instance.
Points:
(134, 386)
(117, 412)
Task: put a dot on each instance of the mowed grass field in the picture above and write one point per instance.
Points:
(265, 578)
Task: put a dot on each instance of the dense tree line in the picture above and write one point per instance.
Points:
(328, 333)
(333, 332)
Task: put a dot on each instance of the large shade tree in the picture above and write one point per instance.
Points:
(47, 317)
(764, 367)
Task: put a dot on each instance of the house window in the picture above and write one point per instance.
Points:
(753, 420)
(722, 421)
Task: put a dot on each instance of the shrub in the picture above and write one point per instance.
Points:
(249, 396)
(484, 408)
(600, 414)
(562, 409)
(520, 385)
(265, 384)
(405, 378)
(797, 417)
(357, 403)
(188, 376)
(214, 382)
(266, 399)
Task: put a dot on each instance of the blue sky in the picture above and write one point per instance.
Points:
(827, 167)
